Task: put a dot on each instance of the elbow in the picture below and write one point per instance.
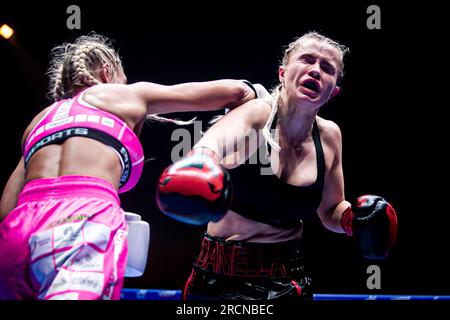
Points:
(240, 92)
(235, 93)
(330, 221)
(326, 222)
(3, 213)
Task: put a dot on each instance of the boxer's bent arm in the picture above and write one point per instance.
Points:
(12, 190)
(193, 96)
(333, 199)
(230, 133)
(17, 179)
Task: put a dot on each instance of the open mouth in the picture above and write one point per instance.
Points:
(311, 85)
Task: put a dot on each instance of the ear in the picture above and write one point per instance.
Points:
(336, 90)
(281, 74)
(105, 75)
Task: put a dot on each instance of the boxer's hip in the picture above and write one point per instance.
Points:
(69, 186)
(56, 218)
(248, 271)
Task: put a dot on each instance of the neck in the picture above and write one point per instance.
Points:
(295, 123)
(78, 89)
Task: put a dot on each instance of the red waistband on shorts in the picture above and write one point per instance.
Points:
(236, 259)
(68, 186)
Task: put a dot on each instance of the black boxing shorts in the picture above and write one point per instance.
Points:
(234, 270)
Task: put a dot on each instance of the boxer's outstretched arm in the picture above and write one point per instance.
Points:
(231, 137)
(197, 189)
(12, 190)
(193, 96)
(135, 101)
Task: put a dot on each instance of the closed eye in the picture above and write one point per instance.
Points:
(308, 58)
(328, 68)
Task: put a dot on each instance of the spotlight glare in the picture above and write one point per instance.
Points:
(6, 31)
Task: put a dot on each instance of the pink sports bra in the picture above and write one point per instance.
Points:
(76, 118)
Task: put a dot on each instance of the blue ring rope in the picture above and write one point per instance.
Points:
(155, 294)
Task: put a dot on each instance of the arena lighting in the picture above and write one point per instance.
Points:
(6, 31)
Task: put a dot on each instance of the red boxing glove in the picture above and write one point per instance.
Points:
(372, 222)
(196, 189)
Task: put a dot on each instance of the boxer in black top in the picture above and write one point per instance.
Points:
(251, 247)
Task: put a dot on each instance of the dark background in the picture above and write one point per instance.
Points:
(386, 112)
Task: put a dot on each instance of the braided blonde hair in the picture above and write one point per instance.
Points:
(292, 47)
(74, 65)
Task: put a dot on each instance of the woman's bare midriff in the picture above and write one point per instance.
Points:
(236, 227)
(76, 156)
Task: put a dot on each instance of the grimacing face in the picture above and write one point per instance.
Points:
(311, 73)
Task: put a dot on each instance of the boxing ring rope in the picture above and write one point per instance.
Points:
(155, 294)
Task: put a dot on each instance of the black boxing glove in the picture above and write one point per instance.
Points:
(372, 222)
(196, 189)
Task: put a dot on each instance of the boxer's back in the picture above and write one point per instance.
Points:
(72, 137)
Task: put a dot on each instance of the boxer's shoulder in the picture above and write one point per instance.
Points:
(330, 133)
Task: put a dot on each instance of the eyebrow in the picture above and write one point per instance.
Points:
(311, 55)
(308, 55)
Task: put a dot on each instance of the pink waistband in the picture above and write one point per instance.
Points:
(69, 186)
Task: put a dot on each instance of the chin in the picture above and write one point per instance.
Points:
(306, 98)
(310, 103)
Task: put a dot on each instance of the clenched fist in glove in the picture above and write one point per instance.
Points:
(196, 189)
(372, 222)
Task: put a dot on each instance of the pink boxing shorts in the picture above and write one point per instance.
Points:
(66, 239)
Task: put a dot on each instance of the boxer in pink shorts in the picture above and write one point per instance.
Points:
(68, 241)
(63, 234)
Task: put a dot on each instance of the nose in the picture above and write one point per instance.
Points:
(314, 71)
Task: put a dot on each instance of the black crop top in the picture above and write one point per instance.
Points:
(268, 199)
